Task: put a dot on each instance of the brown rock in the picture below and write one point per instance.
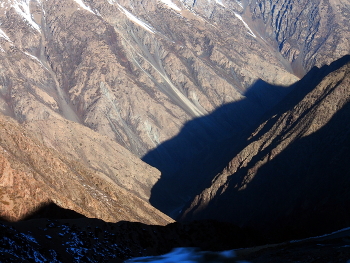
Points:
(32, 174)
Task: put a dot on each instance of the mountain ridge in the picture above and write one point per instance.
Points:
(279, 155)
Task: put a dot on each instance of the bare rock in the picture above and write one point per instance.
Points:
(32, 175)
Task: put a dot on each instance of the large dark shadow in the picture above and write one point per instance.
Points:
(53, 211)
(302, 192)
(189, 161)
(49, 211)
(93, 240)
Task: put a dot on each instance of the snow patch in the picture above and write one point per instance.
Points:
(29, 238)
(135, 19)
(245, 24)
(185, 255)
(228, 254)
(239, 3)
(3, 35)
(220, 3)
(22, 8)
(170, 4)
(35, 58)
(82, 5)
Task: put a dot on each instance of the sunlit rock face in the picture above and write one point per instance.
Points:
(306, 33)
(33, 175)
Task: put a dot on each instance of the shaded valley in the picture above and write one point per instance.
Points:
(292, 178)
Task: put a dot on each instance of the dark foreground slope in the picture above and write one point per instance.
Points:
(292, 178)
(92, 240)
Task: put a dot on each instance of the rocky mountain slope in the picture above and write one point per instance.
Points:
(33, 175)
(87, 87)
(306, 33)
(132, 72)
(137, 71)
(292, 177)
(87, 77)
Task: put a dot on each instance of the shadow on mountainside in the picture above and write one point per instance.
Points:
(302, 192)
(48, 211)
(189, 161)
(203, 148)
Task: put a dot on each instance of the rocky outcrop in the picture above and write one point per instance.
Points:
(33, 175)
(291, 178)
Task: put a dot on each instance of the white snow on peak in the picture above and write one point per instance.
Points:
(245, 24)
(22, 8)
(170, 4)
(135, 19)
(3, 35)
(82, 5)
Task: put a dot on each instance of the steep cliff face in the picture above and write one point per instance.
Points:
(32, 175)
(293, 175)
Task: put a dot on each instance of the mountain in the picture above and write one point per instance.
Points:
(229, 110)
(33, 175)
(292, 177)
(304, 34)
(180, 59)
(136, 72)
(87, 77)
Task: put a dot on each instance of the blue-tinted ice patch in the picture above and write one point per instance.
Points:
(186, 255)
